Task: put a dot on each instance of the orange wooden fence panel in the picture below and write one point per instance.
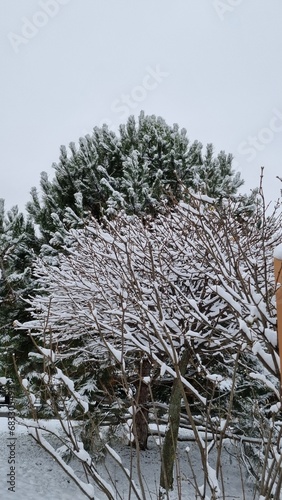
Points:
(278, 279)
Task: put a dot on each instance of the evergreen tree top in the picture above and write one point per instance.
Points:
(146, 164)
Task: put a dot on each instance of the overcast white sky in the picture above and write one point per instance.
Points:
(213, 67)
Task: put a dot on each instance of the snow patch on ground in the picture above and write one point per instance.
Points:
(39, 477)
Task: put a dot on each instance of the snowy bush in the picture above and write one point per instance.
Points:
(188, 298)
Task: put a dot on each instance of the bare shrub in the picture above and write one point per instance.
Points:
(187, 298)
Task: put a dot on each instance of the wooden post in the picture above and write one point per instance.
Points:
(278, 282)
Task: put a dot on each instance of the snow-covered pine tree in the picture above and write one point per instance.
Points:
(18, 244)
(146, 164)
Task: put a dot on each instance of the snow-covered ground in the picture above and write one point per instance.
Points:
(39, 477)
